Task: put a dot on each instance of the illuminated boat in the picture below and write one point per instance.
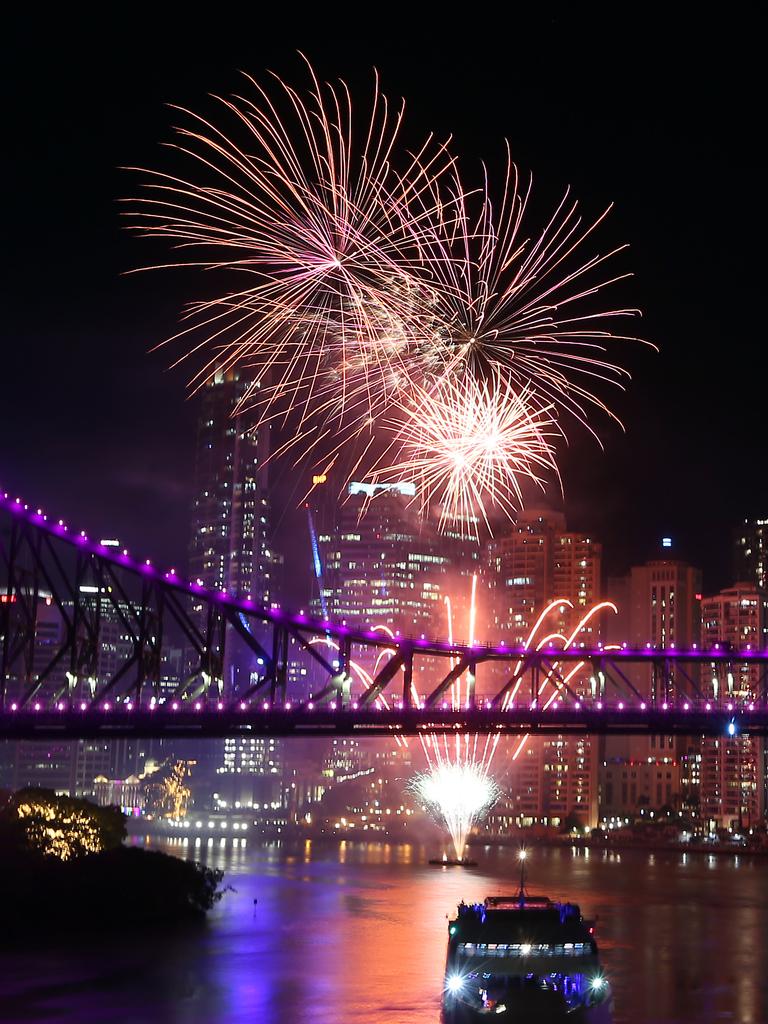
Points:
(524, 958)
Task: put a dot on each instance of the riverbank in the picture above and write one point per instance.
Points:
(64, 868)
(621, 845)
(125, 887)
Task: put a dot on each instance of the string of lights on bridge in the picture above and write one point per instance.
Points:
(106, 550)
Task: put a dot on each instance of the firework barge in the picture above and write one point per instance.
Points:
(524, 958)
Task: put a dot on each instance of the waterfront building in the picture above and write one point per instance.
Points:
(535, 560)
(627, 786)
(732, 784)
(732, 791)
(127, 794)
(250, 772)
(552, 781)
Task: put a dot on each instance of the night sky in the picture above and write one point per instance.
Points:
(663, 119)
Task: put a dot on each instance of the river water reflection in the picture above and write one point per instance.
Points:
(355, 934)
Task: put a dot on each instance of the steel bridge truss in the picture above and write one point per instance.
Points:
(86, 633)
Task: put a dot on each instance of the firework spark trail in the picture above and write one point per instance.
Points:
(552, 677)
(457, 787)
(368, 678)
(547, 610)
(469, 443)
(561, 684)
(453, 660)
(312, 209)
(456, 794)
(503, 298)
(456, 702)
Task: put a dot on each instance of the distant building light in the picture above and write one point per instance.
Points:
(666, 542)
(405, 488)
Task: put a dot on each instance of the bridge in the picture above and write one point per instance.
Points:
(87, 635)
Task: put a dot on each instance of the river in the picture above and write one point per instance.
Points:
(348, 933)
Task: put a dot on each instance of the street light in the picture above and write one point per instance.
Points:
(522, 854)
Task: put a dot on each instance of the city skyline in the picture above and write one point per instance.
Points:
(660, 601)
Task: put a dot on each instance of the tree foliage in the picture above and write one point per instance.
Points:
(62, 826)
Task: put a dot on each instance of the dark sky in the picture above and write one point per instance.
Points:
(662, 118)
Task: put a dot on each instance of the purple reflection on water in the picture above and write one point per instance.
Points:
(355, 934)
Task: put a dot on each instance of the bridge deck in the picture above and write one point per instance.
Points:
(207, 719)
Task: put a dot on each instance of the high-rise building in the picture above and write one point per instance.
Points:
(230, 550)
(250, 772)
(519, 574)
(628, 786)
(663, 599)
(554, 780)
(49, 765)
(737, 616)
(535, 561)
(732, 783)
(576, 574)
(732, 793)
(751, 553)
(383, 566)
(230, 539)
(381, 563)
(664, 610)
(570, 774)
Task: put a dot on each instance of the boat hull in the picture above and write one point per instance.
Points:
(533, 1011)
